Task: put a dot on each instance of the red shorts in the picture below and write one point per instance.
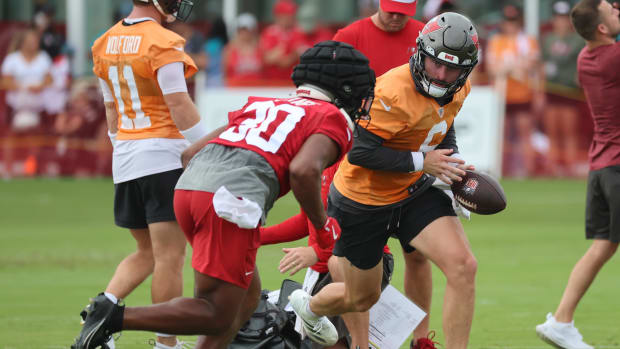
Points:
(221, 249)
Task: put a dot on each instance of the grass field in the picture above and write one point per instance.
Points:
(58, 247)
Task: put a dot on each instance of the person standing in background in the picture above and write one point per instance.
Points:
(560, 49)
(25, 76)
(214, 45)
(280, 43)
(513, 62)
(241, 58)
(599, 76)
(388, 39)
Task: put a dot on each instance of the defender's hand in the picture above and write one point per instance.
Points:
(440, 164)
(297, 258)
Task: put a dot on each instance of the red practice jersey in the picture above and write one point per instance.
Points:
(384, 50)
(276, 128)
(599, 76)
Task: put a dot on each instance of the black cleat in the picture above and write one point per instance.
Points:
(103, 318)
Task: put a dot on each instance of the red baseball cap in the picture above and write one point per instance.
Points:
(285, 7)
(405, 7)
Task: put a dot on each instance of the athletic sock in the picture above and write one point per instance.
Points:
(111, 297)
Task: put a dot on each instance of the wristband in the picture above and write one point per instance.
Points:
(196, 132)
(418, 161)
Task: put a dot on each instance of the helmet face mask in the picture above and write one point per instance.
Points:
(175, 9)
(343, 72)
(449, 39)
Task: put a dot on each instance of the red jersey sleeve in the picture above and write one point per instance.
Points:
(291, 229)
(335, 126)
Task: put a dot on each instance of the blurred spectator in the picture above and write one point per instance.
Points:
(241, 57)
(52, 42)
(279, 43)
(367, 7)
(560, 49)
(83, 147)
(216, 40)
(25, 74)
(433, 8)
(311, 30)
(194, 42)
(513, 63)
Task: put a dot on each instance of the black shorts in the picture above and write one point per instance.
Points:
(365, 233)
(145, 200)
(325, 279)
(603, 204)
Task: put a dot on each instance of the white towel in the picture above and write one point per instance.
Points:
(241, 211)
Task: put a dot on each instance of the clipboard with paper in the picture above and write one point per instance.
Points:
(392, 319)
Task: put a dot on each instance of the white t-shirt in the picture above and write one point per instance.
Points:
(26, 74)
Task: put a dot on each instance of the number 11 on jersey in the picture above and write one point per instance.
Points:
(123, 83)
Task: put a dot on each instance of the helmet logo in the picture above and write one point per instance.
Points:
(430, 27)
(474, 38)
(347, 88)
(334, 55)
(448, 58)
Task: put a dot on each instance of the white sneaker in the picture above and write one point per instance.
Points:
(561, 335)
(319, 329)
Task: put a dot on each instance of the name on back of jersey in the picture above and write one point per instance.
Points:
(123, 44)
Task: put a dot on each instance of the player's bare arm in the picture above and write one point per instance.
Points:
(317, 153)
(189, 153)
(111, 117)
(182, 110)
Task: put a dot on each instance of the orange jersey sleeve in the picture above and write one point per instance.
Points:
(127, 57)
(407, 121)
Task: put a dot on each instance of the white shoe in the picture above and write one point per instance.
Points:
(563, 335)
(319, 329)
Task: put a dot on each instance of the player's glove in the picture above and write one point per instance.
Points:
(328, 234)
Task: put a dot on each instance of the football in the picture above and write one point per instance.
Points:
(479, 193)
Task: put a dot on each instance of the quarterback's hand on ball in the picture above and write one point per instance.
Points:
(297, 258)
(440, 164)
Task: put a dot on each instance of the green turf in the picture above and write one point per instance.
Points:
(58, 246)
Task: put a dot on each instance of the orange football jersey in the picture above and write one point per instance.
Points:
(127, 57)
(406, 120)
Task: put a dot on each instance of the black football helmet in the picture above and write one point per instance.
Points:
(449, 39)
(173, 9)
(341, 70)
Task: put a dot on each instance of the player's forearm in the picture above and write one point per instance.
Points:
(306, 186)
(182, 110)
(291, 229)
(189, 153)
(111, 117)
